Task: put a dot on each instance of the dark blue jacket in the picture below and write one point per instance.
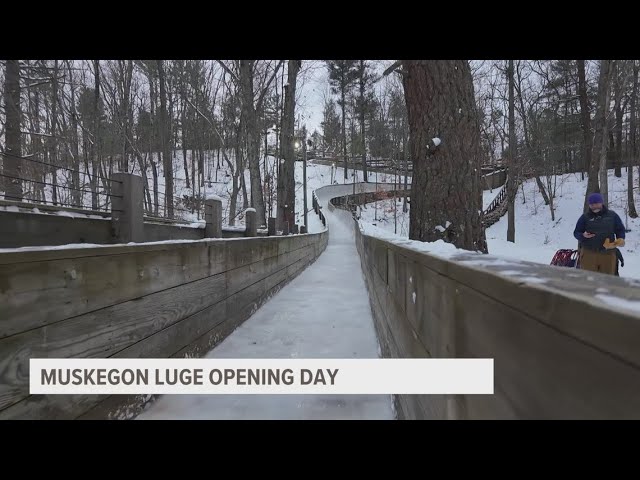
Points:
(605, 224)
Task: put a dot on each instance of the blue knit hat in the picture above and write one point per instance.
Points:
(595, 198)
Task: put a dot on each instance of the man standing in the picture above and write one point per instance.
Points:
(599, 231)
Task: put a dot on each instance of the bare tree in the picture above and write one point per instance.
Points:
(585, 118)
(534, 159)
(513, 147)
(52, 139)
(73, 138)
(342, 75)
(602, 124)
(95, 144)
(13, 113)
(165, 141)
(596, 184)
(621, 74)
(363, 78)
(634, 150)
(246, 78)
(286, 171)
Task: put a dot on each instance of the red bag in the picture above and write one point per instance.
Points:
(566, 258)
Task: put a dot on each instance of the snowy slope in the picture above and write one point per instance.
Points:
(383, 215)
(537, 236)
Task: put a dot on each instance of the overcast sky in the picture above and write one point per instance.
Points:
(314, 87)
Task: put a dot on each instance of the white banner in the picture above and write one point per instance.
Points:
(261, 376)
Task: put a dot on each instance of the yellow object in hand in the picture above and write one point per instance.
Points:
(608, 244)
(619, 242)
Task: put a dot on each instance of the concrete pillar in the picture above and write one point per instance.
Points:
(127, 213)
(272, 226)
(213, 218)
(251, 222)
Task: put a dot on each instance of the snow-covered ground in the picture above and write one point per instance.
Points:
(537, 236)
(392, 219)
(220, 186)
(322, 313)
(217, 185)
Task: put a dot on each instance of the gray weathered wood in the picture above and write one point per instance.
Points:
(549, 363)
(21, 229)
(101, 333)
(34, 294)
(545, 373)
(183, 308)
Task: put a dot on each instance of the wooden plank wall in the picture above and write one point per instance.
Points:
(559, 351)
(138, 301)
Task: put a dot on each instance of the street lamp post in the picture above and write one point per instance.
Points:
(297, 145)
(375, 203)
(354, 179)
(304, 181)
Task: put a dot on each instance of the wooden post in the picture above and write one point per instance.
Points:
(127, 213)
(213, 218)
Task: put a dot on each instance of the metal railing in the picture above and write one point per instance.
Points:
(495, 203)
(317, 208)
(81, 194)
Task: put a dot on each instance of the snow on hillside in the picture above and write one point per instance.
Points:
(537, 236)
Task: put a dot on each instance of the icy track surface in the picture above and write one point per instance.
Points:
(322, 313)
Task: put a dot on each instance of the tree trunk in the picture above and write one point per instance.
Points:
(165, 142)
(127, 113)
(234, 199)
(588, 165)
(36, 145)
(146, 195)
(286, 171)
(618, 143)
(252, 136)
(237, 174)
(155, 185)
(76, 195)
(532, 155)
(604, 172)
(183, 121)
(243, 183)
(344, 127)
(599, 144)
(405, 206)
(268, 180)
(543, 191)
(511, 183)
(184, 154)
(362, 129)
(632, 157)
(53, 157)
(201, 163)
(193, 175)
(153, 140)
(96, 136)
(441, 105)
(352, 130)
(12, 161)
